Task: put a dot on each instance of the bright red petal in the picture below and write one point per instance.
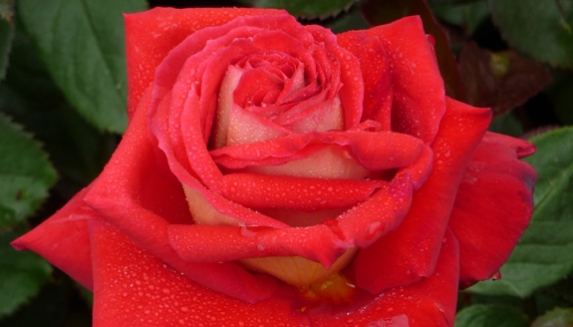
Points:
(322, 243)
(493, 205)
(307, 194)
(418, 88)
(429, 302)
(132, 287)
(132, 193)
(411, 251)
(63, 240)
(152, 34)
(376, 74)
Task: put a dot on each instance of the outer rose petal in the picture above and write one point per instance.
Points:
(430, 302)
(152, 34)
(377, 79)
(132, 193)
(410, 252)
(417, 86)
(486, 225)
(63, 240)
(132, 287)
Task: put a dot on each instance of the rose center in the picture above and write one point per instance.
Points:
(270, 96)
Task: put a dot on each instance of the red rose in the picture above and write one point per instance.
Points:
(278, 174)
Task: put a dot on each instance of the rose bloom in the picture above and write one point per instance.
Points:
(275, 174)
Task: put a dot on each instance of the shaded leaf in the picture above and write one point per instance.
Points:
(543, 29)
(28, 78)
(21, 275)
(506, 124)
(82, 45)
(467, 15)
(560, 93)
(491, 315)
(6, 33)
(379, 12)
(304, 8)
(352, 20)
(557, 295)
(556, 318)
(544, 255)
(25, 174)
(501, 80)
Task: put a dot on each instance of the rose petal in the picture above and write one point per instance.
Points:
(352, 91)
(323, 117)
(421, 168)
(493, 206)
(376, 150)
(379, 215)
(245, 127)
(418, 88)
(376, 73)
(206, 243)
(134, 287)
(322, 243)
(429, 302)
(310, 194)
(412, 249)
(152, 34)
(131, 194)
(328, 162)
(373, 150)
(63, 240)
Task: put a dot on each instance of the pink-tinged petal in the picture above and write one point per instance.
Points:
(315, 161)
(309, 194)
(132, 193)
(133, 287)
(323, 117)
(412, 249)
(419, 94)
(152, 34)
(493, 206)
(63, 240)
(428, 302)
(376, 74)
(245, 127)
(272, 152)
(206, 243)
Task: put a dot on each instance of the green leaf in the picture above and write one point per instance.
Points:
(555, 318)
(25, 174)
(306, 8)
(82, 44)
(544, 254)
(6, 33)
(491, 315)
(543, 29)
(21, 275)
(31, 98)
